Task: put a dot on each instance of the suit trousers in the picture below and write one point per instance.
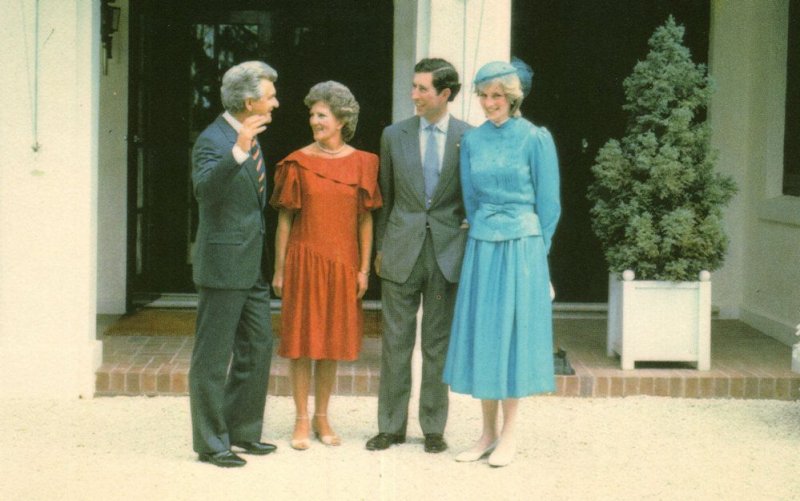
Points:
(227, 397)
(400, 305)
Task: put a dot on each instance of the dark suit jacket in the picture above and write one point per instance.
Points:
(231, 231)
(400, 224)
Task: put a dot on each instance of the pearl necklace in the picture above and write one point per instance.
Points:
(330, 152)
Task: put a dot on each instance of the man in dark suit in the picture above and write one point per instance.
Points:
(420, 237)
(233, 316)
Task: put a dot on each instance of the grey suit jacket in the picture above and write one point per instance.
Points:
(400, 224)
(231, 231)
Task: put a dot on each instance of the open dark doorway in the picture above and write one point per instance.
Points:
(581, 51)
(179, 51)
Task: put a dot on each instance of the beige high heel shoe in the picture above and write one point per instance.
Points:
(333, 440)
(300, 444)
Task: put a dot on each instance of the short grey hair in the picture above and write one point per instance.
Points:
(512, 88)
(242, 82)
(340, 100)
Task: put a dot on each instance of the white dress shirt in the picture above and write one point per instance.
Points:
(238, 154)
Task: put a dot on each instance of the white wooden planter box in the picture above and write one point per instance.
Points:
(652, 320)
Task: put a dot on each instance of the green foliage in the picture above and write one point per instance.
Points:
(657, 200)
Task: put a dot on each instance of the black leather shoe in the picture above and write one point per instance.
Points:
(383, 441)
(257, 448)
(224, 459)
(434, 443)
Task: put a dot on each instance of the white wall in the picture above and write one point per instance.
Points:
(113, 168)
(48, 198)
(760, 281)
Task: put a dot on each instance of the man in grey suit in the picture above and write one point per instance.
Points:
(420, 237)
(233, 317)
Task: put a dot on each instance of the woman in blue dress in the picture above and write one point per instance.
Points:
(501, 343)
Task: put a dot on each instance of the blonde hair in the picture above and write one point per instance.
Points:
(512, 88)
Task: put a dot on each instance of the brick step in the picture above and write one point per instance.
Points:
(160, 366)
(362, 378)
(744, 364)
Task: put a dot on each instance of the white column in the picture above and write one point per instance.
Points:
(48, 197)
(112, 224)
(405, 53)
(468, 33)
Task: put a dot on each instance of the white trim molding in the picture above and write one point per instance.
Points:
(783, 331)
(784, 210)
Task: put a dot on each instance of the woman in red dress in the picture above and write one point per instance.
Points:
(324, 192)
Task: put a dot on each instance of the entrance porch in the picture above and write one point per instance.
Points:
(744, 364)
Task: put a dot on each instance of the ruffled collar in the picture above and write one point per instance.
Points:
(343, 170)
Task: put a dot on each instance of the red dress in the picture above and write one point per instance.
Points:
(321, 317)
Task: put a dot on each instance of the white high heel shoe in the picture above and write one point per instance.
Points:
(475, 454)
(503, 456)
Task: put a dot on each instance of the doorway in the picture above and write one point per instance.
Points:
(179, 51)
(581, 51)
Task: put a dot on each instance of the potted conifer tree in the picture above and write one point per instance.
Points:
(658, 210)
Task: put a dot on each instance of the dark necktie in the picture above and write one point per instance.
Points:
(430, 165)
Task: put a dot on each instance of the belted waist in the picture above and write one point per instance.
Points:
(496, 222)
(490, 209)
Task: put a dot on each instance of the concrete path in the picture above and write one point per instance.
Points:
(587, 449)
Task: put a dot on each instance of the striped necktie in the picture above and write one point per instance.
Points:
(255, 152)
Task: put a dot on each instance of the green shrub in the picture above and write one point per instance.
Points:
(657, 200)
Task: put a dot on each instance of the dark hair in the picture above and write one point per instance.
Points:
(444, 75)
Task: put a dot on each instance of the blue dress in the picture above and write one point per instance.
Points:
(501, 343)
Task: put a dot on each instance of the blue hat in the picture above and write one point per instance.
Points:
(496, 69)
